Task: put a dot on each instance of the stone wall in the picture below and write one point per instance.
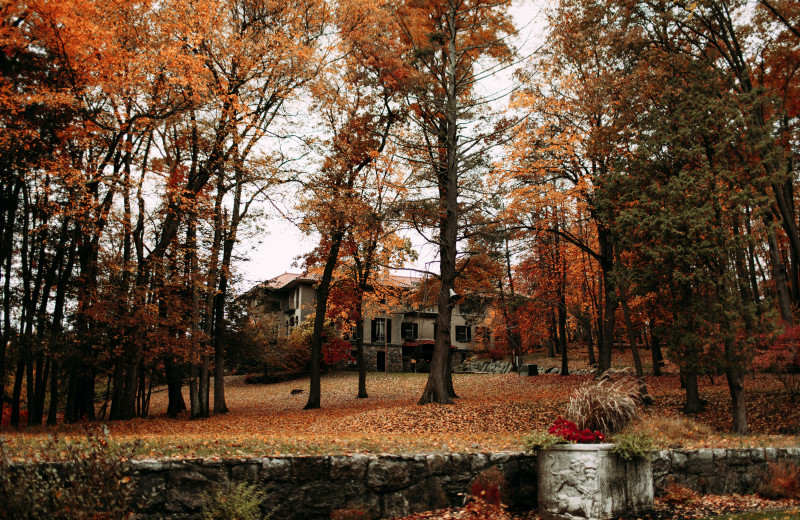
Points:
(311, 487)
(484, 367)
(718, 471)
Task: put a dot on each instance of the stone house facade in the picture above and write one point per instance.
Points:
(395, 339)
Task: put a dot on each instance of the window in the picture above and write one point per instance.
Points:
(381, 330)
(409, 331)
(463, 333)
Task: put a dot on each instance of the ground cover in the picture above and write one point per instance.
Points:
(709, 507)
(493, 414)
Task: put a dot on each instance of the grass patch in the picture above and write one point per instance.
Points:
(494, 413)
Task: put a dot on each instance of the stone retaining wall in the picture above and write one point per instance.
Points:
(718, 471)
(484, 367)
(311, 487)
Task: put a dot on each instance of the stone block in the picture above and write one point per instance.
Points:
(589, 481)
(720, 454)
(679, 459)
(150, 490)
(739, 457)
(426, 495)
(149, 465)
(387, 474)
(305, 469)
(437, 463)
(661, 463)
(500, 458)
(771, 454)
(246, 471)
(276, 468)
(758, 455)
(460, 464)
(479, 462)
(394, 505)
(352, 467)
(187, 483)
(700, 462)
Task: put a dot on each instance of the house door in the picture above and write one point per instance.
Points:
(381, 361)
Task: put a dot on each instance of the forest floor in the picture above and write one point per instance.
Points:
(493, 413)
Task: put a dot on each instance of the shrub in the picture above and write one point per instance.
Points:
(541, 440)
(606, 405)
(782, 359)
(671, 431)
(68, 480)
(233, 501)
(678, 494)
(781, 481)
(492, 486)
(632, 445)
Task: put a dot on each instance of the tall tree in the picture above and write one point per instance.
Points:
(448, 44)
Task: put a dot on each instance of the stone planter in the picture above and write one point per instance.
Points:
(588, 481)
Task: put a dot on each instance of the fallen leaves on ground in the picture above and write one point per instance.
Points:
(492, 414)
(707, 506)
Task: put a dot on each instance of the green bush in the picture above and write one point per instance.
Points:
(68, 480)
(541, 440)
(632, 445)
(233, 501)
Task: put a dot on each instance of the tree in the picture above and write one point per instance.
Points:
(357, 101)
(684, 189)
(446, 41)
(574, 95)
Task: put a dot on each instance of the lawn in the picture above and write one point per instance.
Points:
(493, 413)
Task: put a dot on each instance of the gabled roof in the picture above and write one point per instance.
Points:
(281, 280)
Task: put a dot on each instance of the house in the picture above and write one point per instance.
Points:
(400, 338)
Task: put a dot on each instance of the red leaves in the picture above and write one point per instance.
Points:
(335, 351)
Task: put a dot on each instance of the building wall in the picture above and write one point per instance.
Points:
(297, 301)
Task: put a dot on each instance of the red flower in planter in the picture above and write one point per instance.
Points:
(568, 430)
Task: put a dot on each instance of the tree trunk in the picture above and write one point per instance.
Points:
(17, 393)
(655, 351)
(590, 347)
(611, 302)
(779, 275)
(362, 368)
(644, 395)
(315, 390)
(562, 333)
(693, 404)
(738, 407)
(637, 361)
(52, 413)
(175, 402)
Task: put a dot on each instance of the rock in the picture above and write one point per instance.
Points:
(387, 475)
(276, 468)
(352, 467)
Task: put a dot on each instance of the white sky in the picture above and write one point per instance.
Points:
(277, 248)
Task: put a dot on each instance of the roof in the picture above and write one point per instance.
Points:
(282, 280)
(287, 280)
